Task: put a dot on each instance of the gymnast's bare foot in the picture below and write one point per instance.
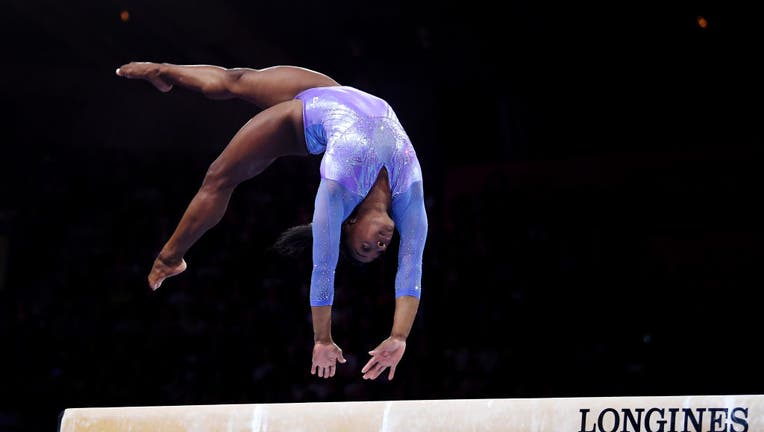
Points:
(163, 269)
(146, 71)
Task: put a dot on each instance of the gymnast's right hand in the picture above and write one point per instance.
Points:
(325, 358)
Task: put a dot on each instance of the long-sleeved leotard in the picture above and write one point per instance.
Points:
(360, 134)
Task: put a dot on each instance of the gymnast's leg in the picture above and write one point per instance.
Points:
(262, 87)
(272, 133)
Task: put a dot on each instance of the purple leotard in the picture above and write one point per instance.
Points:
(358, 134)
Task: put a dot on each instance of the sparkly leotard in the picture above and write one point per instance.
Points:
(360, 134)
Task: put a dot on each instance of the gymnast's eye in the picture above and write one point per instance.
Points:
(381, 244)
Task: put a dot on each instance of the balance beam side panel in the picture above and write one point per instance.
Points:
(731, 413)
(328, 416)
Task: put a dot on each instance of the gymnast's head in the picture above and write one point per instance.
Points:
(364, 238)
(367, 236)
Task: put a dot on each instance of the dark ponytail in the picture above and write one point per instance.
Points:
(294, 241)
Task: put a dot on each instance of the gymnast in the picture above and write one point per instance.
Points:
(371, 184)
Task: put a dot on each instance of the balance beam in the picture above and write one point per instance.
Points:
(732, 413)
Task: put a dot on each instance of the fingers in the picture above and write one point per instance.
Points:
(323, 372)
(375, 371)
(369, 365)
(374, 367)
(392, 372)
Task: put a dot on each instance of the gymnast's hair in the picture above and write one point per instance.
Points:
(295, 241)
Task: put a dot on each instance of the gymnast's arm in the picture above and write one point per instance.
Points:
(410, 218)
(332, 205)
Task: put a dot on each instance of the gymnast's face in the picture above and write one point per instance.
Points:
(368, 236)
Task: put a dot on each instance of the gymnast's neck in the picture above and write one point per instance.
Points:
(379, 198)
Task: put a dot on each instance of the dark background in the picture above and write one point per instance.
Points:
(592, 174)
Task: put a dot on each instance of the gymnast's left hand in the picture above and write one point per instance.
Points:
(385, 355)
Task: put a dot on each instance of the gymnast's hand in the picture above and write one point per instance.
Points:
(387, 354)
(325, 358)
